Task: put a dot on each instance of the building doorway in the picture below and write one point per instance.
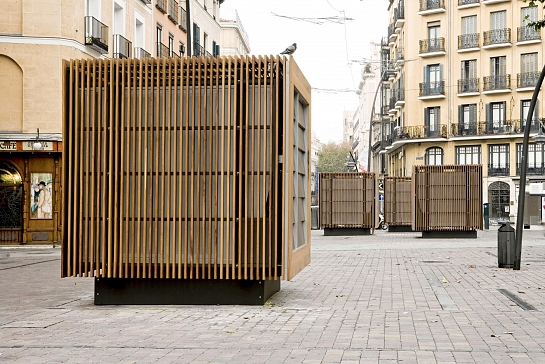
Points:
(11, 204)
(499, 196)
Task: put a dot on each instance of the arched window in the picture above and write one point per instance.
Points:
(434, 156)
(9, 174)
(498, 197)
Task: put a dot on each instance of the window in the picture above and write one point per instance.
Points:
(498, 157)
(434, 33)
(196, 40)
(434, 156)
(469, 24)
(205, 42)
(432, 121)
(467, 119)
(535, 158)
(495, 117)
(498, 78)
(498, 23)
(171, 44)
(468, 154)
(524, 109)
(528, 14)
(433, 84)
(529, 70)
(214, 48)
(469, 81)
(182, 49)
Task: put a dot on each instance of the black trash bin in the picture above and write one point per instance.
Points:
(506, 244)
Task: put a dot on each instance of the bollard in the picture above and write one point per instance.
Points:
(506, 244)
(314, 224)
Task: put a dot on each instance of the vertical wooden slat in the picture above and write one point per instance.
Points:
(91, 166)
(228, 157)
(138, 171)
(119, 218)
(146, 218)
(218, 172)
(160, 169)
(181, 147)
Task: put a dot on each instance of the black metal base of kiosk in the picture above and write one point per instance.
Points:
(472, 234)
(346, 232)
(400, 229)
(142, 291)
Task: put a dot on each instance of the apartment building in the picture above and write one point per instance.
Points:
(461, 77)
(234, 39)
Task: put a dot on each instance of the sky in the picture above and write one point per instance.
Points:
(330, 54)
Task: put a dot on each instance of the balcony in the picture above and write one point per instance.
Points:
(400, 97)
(162, 50)
(525, 34)
(141, 53)
(497, 37)
(520, 125)
(173, 11)
(418, 132)
(468, 85)
(467, 129)
(399, 54)
(432, 88)
(392, 35)
(183, 20)
(96, 35)
(399, 15)
(122, 47)
(199, 51)
(146, 1)
(468, 41)
(537, 169)
(433, 45)
(498, 169)
(528, 79)
(162, 6)
(392, 104)
(432, 6)
(494, 83)
(467, 2)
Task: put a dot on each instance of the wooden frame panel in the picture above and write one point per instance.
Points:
(397, 201)
(178, 168)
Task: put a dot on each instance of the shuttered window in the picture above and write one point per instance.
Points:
(528, 62)
(469, 24)
(498, 20)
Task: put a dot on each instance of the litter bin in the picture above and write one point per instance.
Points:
(486, 216)
(506, 244)
(314, 218)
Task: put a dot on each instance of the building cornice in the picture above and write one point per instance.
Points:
(63, 42)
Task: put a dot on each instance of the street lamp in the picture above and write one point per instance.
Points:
(37, 145)
(523, 168)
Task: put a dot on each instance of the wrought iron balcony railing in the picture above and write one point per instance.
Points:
(528, 79)
(431, 4)
(497, 36)
(162, 50)
(525, 34)
(418, 132)
(399, 54)
(466, 41)
(399, 12)
(393, 102)
(96, 34)
(183, 20)
(498, 169)
(400, 94)
(432, 45)
(432, 88)
(391, 30)
(467, 2)
(501, 82)
(173, 11)
(122, 47)
(162, 6)
(141, 53)
(468, 85)
(467, 129)
(384, 109)
(520, 125)
(533, 169)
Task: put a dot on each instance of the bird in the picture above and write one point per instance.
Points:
(291, 49)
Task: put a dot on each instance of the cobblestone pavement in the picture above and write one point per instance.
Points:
(386, 298)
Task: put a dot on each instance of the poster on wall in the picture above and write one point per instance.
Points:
(41, 196)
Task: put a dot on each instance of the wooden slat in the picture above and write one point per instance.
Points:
(173, 168)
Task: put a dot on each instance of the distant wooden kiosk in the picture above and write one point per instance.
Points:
(186, 180)
(397, 204)
(348, 203)
(447, 200)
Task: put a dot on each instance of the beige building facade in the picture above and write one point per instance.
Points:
(464, 75)
(35, 37)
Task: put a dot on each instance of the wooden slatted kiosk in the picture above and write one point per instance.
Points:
(187, 180)
(348, 203)
(447, 201)
(397, 204)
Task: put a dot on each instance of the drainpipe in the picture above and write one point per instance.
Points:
(189, 47)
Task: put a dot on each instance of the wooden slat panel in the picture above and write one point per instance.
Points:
(347, 200)
(447, 197)
(173, 168)
(397, 201)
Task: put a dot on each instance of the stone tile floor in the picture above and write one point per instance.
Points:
(385, 298)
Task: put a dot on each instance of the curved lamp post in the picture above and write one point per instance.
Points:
(523, 168)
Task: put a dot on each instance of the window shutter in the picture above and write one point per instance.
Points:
(473, 113)
(488, 117)
(440, 72)
(473, 68)
(426, 74)
(427, 117)
(503, 68)
(536, 112)
(438, 118)
(461, 120)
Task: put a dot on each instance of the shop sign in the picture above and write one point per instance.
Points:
(8, 145)
(29, 145)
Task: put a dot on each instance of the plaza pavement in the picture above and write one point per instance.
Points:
(386, 298)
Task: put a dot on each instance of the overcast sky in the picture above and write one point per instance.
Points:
(324, 52)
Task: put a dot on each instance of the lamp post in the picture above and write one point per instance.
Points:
(523, 168)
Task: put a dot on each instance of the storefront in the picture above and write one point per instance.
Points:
(30, 192)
